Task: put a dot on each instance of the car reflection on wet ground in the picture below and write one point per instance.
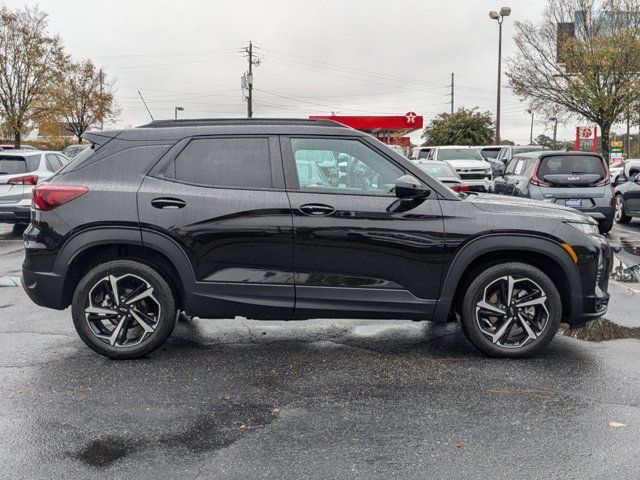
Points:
(319, 399)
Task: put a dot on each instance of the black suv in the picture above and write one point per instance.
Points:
(225, 218)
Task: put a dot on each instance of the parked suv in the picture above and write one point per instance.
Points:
(213, 218)
(20, 170)
(575, 179)
(473, 169)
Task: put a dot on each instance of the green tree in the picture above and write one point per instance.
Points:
(464, 127)
(31, 66)
(544, 141)
(593, 74)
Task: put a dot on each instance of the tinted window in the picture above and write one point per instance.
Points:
(571, 165)
(459, 154)
(490, 152)
(53, 164)
(423, 153)
(343, 166)
(12, 165)
(224, 162)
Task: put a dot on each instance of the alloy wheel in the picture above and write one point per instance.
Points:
(512, 312)
(122, 310)
(619, 208)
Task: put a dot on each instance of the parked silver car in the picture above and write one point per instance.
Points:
(20, 170)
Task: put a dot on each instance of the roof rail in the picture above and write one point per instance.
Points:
(203, 122)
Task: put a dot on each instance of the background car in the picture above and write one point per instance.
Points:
(73, 150)
(398, 149)
(574, 179)
(445, 173)
(490, 152)
(20, 170)
(627, 193)
(11, 146)
(616, 167)
(420, 153)
(474, 170)
(509, 151)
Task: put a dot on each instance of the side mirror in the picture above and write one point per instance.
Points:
(407, 186)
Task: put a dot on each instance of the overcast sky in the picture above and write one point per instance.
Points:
(347, 56)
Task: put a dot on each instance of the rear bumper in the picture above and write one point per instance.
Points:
(600, 213)
(477, 185)
(14, 214)
(44, 289)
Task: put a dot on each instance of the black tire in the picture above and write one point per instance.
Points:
(524, 275)
(605, 226)
(621, 216)
(130, 270)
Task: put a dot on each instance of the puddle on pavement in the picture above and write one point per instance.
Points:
(103, 452)
(9, 281)
(600, 330)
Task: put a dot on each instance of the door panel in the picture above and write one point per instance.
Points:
(238, 242)
(359, 251)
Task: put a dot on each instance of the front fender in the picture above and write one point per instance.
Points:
(491, 243)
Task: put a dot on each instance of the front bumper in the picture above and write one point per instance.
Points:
(477, 185)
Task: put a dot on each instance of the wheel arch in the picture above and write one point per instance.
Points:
(543, 253)
(87, 249)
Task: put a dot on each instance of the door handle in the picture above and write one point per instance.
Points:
(316, 209)
(168, 203)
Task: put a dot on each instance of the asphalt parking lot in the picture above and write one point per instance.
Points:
(316, 399)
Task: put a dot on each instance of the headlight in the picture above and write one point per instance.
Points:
(586, 228)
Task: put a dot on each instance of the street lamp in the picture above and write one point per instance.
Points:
(555, 130)
(530, 111)
(176, 110)
(499, 16)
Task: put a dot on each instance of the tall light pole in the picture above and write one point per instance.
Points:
(499, 16)
(176, 110)
(555, 130)
(531, 133)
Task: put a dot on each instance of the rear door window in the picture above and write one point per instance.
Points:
(53, 164)
(240, 162)
(12, 165)
(571, 165)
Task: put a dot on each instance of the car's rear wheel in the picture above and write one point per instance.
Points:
(123, 309)
(621, 215)
(511, 310)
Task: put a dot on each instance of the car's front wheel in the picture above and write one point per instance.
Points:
(621, 215)
(123, 309)
(511, 310)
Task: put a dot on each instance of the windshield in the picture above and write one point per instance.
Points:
(437, 169)
(459, 154)
(571, 165)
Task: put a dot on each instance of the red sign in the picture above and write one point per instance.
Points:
(373, 123)
(587, 139)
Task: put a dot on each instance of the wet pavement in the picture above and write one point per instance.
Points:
(316, 399)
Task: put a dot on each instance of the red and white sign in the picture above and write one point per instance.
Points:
(587, 139)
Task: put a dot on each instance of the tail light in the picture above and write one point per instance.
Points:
(49, 197)
(26, 180)
(534, 177)
(460, 188)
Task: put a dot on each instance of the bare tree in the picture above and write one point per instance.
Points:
(594, 72)
(31, 64)
(85, 99)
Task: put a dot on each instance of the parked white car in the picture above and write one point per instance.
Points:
(473, 169)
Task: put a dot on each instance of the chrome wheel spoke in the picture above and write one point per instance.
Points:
(512, 311)
(100, 311)
(122, 310)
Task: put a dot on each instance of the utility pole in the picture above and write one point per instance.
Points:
(531, 132)
(247, 78)
(628, 142)
(452, 93)
(101, 91)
